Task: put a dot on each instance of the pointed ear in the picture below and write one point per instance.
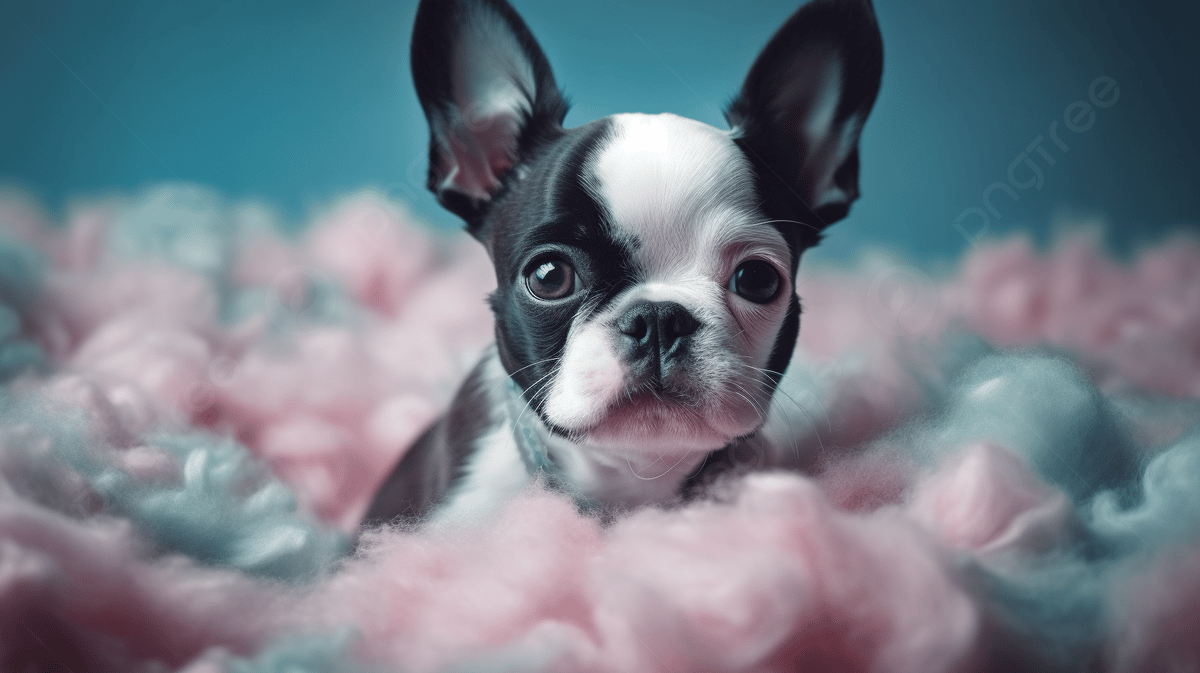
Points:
(489, 96)
(803, 105)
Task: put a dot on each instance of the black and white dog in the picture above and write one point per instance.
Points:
(645, 307)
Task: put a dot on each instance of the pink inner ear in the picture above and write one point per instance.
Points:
(810, 97)
(805, 99)
(482, 147)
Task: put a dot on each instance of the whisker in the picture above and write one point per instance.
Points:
(744, 394)
(799, 407)
(660, 476)
(508, 377)
(757, 411)
(828, 421)
(802, 224)
(530, 394)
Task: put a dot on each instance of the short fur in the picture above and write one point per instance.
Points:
(675, 247)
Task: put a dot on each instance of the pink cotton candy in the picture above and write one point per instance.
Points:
(1141, 322)
(24, 220)
(153, 327)
(778, 579)
(784, 581)
(326, 353)
(379, 261)
(470, 590)
(77, 595)
(989, 501)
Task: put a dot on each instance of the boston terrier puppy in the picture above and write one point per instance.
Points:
(645, 307)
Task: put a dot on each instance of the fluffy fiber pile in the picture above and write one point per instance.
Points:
(1001, 468)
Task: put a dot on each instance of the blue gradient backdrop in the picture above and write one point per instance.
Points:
(296, 103)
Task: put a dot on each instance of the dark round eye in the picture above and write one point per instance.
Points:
(551, 279)
(756, 281)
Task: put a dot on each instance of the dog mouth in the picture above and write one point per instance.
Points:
(658, 420)
(652, 408)
(699, 401)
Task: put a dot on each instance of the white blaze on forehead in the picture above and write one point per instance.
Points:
(680, 188)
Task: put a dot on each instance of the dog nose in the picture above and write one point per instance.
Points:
(656, 334)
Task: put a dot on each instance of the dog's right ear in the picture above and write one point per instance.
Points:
(490, 98)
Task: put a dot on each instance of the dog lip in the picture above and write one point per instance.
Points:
(559, 431)
(641, 399)
(664, 407)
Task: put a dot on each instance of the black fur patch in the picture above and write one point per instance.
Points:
(435, 462)
(552, 212)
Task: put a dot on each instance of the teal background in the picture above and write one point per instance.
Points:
(297, 103)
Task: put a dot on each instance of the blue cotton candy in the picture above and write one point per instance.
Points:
(184, 224)
(17, 356)
(20, 273)
(1043, 408)
(317, 653)
(1046, 616)
(21, 269)
(1168, 506)
(228, 511)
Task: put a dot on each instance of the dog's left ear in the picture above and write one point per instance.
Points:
(802, 107)
(489, 95)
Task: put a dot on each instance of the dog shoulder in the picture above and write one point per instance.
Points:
(492, 475)
(447, 453)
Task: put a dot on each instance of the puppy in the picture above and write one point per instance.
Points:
(645, 307)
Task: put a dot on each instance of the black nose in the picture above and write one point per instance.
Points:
(656, 336)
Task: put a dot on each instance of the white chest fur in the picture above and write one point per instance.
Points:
(494, 473)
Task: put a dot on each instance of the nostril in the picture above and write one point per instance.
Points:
(658, 340)
(659, 326)
(635, 326)
(674, 323)
(679, 324)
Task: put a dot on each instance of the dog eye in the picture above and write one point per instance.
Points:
(756, 281)
(551, 279)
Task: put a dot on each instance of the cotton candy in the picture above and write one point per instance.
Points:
(991, 468)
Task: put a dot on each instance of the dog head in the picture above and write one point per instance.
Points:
(645, 264)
